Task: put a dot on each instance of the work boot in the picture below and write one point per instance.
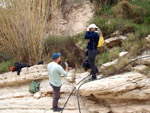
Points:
(92, 79)
(57, 109)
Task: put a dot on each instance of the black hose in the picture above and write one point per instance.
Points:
(108, 76)
(128, 64)
(72, 92)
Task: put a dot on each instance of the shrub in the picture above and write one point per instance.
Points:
(5, 65)
(125, 10)
(23, 28)
(135, 44)
(67, 47)
(138, 14)
(102, 58)
(114, 54)
(107, 26)
(114, 69)
(122, 9)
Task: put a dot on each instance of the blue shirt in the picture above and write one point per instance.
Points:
(93, 40)
(54, 73)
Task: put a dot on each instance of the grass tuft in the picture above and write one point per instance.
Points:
(5, 66)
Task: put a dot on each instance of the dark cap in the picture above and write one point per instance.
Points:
(56, 55)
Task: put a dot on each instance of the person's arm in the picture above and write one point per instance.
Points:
(100, 32)
(62, 71)
(90, 35)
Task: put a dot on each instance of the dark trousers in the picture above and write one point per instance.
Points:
(56, 95)
(91, 60)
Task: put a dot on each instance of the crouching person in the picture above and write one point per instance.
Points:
(54, 72)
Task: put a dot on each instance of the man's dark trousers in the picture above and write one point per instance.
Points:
(56, 95)
(91, 60)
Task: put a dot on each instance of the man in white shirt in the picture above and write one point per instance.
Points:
(54, 72)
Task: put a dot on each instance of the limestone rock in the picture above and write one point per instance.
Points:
(139, 68)
(37, 95)
(123, 53)
(148, 38)
(122, 86)
(27, 74)
(114, 41)
(122, 93)
(80, 76)
(108, 64)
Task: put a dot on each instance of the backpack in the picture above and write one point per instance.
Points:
(19, 66)
(34, 87)
(100, 42)
(86, 65)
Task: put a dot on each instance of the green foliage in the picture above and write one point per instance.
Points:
(135, 44)
(122, 9)
(80, 40)
(67, 47)
(5, 65)
(107, 26)
(127, 17)
(77, 1)
(102, 58)
(142, 3)
(126, 10)
(114, 68)
(4, 57)
(114, 53)
(147, 20)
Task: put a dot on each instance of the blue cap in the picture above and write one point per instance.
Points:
(56, 55)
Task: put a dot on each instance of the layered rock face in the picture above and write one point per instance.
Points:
(123, 93)
(16, 98)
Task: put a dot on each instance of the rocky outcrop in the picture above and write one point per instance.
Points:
(114, 41)
(124, 93)
(16, 98)
(37, 72)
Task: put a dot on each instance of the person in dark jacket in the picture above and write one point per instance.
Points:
(93, 37)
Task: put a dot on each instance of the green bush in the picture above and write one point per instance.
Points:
(67, 47)
(114, 68)
(122, 9)
(107, 26)
(126, 10)
(5, 66)
(4, 57)
(135, 44)
(147, 21)
(114, 54)
(102, 58)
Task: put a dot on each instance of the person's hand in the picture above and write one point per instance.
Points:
(87, 29)
(66, 64)
(98, 30)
